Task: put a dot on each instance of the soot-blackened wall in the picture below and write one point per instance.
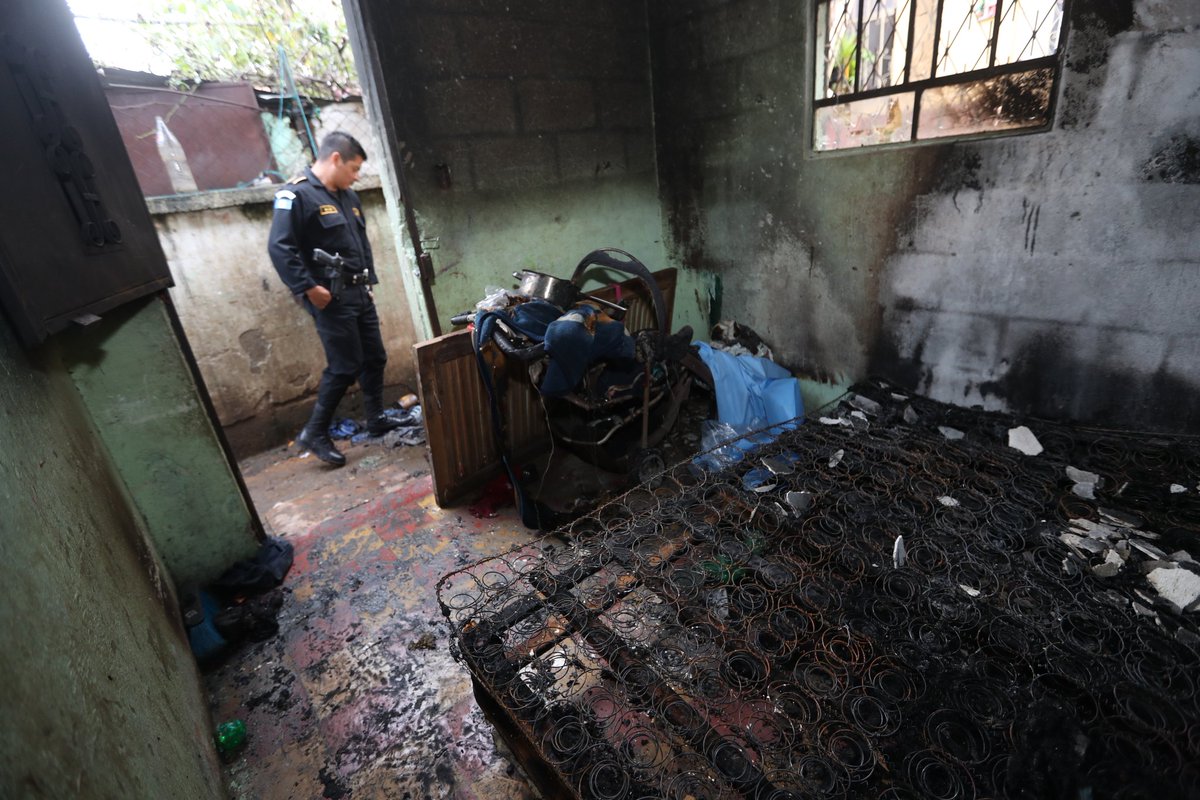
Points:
(1052, 273)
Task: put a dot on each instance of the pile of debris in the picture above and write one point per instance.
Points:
(903, 600)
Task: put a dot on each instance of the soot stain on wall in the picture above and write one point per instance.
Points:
(1176, 161)
(1049, 381)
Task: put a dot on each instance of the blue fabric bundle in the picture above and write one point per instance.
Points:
(752, 392)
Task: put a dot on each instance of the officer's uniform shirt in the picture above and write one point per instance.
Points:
(308, 216)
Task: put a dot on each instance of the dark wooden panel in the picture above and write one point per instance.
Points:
(83, 244)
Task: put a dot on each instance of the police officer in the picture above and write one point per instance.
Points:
(319, 210)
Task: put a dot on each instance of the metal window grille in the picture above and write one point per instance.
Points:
(909, 70)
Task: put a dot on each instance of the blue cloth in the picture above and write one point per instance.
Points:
(752, 392)
(572, 347)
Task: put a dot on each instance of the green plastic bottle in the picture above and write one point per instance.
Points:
(230, 736)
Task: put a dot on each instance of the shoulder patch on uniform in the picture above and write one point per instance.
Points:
(284, 198)
(301, 178)
(327, 209)
(357, 212)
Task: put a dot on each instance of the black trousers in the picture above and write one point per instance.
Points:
(349, 331)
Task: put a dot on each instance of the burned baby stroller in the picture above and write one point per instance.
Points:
(611, 395)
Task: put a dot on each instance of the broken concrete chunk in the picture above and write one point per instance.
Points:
(1180, 587)
(859, 420)
(948, 501)
(1111, 566)
(1183, 555)
(1085, 490)
(1082, 476)
(1177, 488)
(951, 433)
(910, 416)
(865, 404)
(833, 421)
(1021, 438)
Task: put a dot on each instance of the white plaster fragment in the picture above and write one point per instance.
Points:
(1021, 438)
(1085, 490)
(1111, 566)
(899, 554)
(1082, 476)
(836, 458)
(969, 590)
(1182, 555)
(898, 396)
(833, 421)
(948, 501)
(1179, 586)
(1178, 488)
(951, 433)
(865, 404)
(911, 416)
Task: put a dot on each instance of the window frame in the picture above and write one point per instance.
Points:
(918, 88)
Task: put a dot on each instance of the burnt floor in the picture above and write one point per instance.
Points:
(358, 695)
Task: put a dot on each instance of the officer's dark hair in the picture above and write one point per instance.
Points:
(343, 144)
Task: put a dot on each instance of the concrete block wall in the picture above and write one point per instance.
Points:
(257, 349)
(1048, 273)
(527, 136)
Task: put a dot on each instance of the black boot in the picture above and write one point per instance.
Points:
(315, 436)
(378, 423)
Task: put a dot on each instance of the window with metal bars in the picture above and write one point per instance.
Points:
(910, 70)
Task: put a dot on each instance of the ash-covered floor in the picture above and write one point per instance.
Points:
(358, 695)
(1020, 632)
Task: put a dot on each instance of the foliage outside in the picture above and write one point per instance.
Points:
(240, 40)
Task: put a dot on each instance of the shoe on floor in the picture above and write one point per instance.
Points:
(380, 424)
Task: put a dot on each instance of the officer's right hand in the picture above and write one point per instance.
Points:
(319, 296)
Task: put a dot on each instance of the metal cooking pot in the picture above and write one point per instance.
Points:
(557, 291)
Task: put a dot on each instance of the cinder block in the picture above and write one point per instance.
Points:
(614, 53)
(749, 27)
(454, 154)
(514, 163)
(556, 105)
(470, 106)
(436, 44)
(624, 104)
(591, 155)
(639, 152)
(495, 45)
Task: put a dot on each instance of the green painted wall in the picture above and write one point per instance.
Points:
(485, 238)
(143, 402)
(101, 695)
